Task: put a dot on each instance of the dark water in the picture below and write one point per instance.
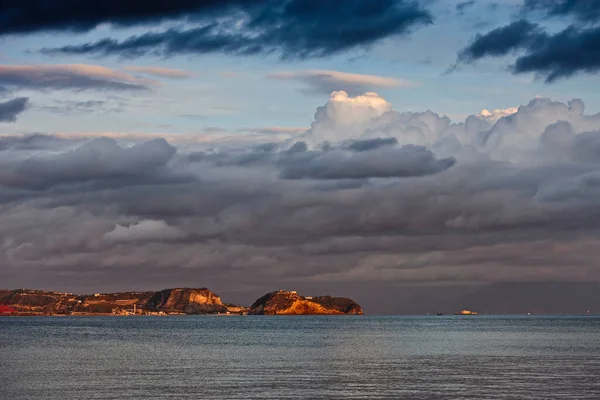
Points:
(300, 357)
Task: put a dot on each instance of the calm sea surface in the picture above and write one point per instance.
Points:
(483, 357)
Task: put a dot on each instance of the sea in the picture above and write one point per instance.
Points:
(300, 357)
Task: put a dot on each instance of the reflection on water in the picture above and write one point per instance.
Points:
(489, 357)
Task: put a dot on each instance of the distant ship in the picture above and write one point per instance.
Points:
(465, 312)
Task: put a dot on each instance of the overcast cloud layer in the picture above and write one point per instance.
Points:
(367, 196)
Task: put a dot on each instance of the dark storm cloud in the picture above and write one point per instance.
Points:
(582, 10)
(100, 159)
(371, 144)
(552, 56)
(406, 161)
(293, 29)
(563, 54)
(9, 110)
(21, 17)
(500, 41)
(361, 159)
(258, 223)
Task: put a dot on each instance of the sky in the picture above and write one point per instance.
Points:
(416, 156)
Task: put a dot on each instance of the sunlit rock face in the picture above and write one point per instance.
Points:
(188, 301)
(290, 303)
(178, 301)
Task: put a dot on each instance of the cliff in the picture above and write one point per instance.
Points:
(168, 301)
(290, 303)
(188, 301)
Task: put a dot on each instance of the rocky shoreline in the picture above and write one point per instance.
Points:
(167, 302)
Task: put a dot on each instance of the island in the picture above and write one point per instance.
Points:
(176, 301)
(290, 303)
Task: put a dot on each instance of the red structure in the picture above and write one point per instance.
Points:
(7, 310)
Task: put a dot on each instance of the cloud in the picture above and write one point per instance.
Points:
(36, 141)
(69, 77)
(325, 81)
(371, 144)
(509, 134)
(462, 6)
(562, 55)
(146, 231)
(370, 199)
(293, 29)
(275, 130)
(72, 107)
(497, 113)
(548, 54)
(9, 110)
(583, 11)
(65, 15)
(161, 72)
(98, 160)
(345, 117)
(501, 41)
(385, 162)
(226, 109)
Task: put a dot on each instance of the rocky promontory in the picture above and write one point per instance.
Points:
(290, 303)
(167, 301)
(187, 301)
(177, 301)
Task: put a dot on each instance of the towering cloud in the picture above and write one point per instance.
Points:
(345, 117)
